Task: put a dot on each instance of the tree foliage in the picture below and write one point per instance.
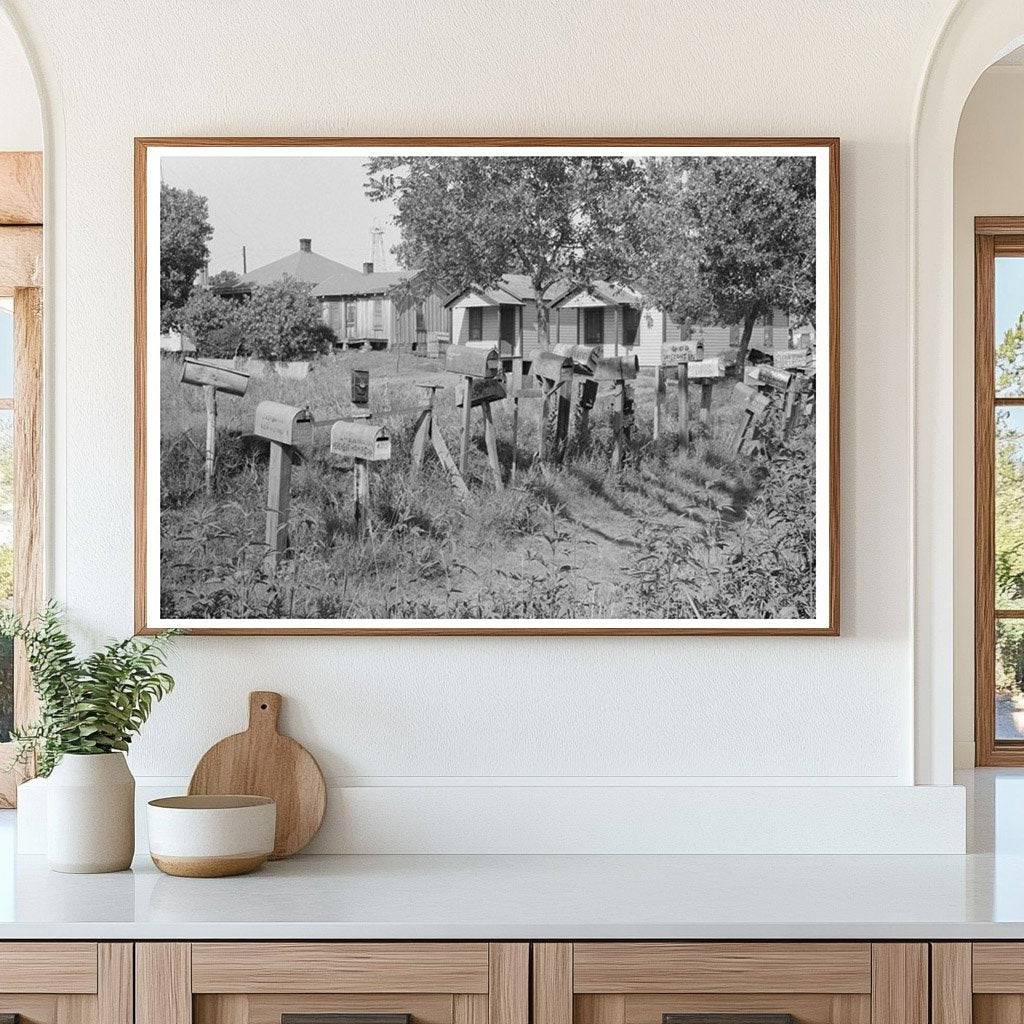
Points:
(184, 231)
(729, 239)
(473, 219)
(204, 318)
(282, 320)
(90, 705)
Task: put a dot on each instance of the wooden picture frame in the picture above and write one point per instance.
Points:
(826, 620)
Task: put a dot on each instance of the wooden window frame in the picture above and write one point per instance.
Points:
(21, 271)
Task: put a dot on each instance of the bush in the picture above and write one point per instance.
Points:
(214, 324)
(282, 320)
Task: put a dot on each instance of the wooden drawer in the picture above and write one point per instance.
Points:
(814, 982)
(62, 982)
(980, 981)
(259, 982)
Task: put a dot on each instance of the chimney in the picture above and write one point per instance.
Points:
(305, 245)
(367, 268)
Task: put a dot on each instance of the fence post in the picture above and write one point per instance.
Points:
(683, 398)
(278, 502)
(210, 393)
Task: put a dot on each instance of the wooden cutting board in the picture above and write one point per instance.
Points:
(262, 762)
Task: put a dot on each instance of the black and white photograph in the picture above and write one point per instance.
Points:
(457, 387)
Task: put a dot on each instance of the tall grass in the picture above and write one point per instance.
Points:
(673, 535)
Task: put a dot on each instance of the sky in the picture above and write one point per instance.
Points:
(1009, 293)
(268, 203)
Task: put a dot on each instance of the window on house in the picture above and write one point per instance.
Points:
(350, 314)
(421, 323)
(476, 323)
(999, 491)
(378, 314)
(593, 326)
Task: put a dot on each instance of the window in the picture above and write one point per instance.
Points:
(421, 323)
(378, 315)
(593, 326)
(350, 314)
(999, 491)
(476, 323)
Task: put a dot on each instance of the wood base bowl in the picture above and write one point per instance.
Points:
(211, 836)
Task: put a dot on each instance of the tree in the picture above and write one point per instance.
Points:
(731, 238)
(204, 318)
(282, 320)
(225, 279)
(470, 220)
(184, 232)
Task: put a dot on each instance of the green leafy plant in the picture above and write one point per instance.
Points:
(90, 705)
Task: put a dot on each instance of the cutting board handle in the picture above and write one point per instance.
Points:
(264, 711)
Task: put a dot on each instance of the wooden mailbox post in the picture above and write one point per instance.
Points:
(618, 370)
(472, 364)
(706, 371)
(426, 430)
(554, 375)
(482, 392)
(284, 426)
(363, 443)
(212, 379)
(755, 405)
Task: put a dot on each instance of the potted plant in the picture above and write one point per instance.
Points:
(89, 710)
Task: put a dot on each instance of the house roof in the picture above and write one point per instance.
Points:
(605, 292)
(352, 282)
(303, 265)
(510, 289)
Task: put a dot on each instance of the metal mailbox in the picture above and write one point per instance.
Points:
(285, 424)
(361, 440)
(360, 387)
(472, 362)
(753, 401)
(706, 369)
(779, 380)
(551, 366)
(584, 358)
(234, 382)
(617, 368)
(484, 391)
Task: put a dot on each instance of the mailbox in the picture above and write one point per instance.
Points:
(485, 391)
(563, 348)
(706, 369)
(551, 366)
(790, 359)
(360, 387)
(285, 424)
(472, 362)
(617, 368)
(361, 440)
(587, 394)
(584, 358)
(675, 352)
(753, 401)
(779, 380)
(209, 375)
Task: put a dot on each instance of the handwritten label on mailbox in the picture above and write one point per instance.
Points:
(361, 440)
(707, 369)
(485, 391)
(675, 352)
(472, 362)
(790, 359)
(233, 382)
(285, 424)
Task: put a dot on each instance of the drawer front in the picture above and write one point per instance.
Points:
(66, 982)
(737, 982)
(264, 982)
(48, 967)
(340, 967)
(981, 982)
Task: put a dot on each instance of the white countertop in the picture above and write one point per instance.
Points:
(532, 897)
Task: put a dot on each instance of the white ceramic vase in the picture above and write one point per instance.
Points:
(90, 814)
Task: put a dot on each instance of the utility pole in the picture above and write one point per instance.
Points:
(245, 269)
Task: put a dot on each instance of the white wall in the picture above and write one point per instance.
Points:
(988, 180)
(441, 713)
(21, 125)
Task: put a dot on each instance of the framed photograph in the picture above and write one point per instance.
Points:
(487, 386)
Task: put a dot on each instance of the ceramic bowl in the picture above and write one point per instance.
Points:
(211, 836)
